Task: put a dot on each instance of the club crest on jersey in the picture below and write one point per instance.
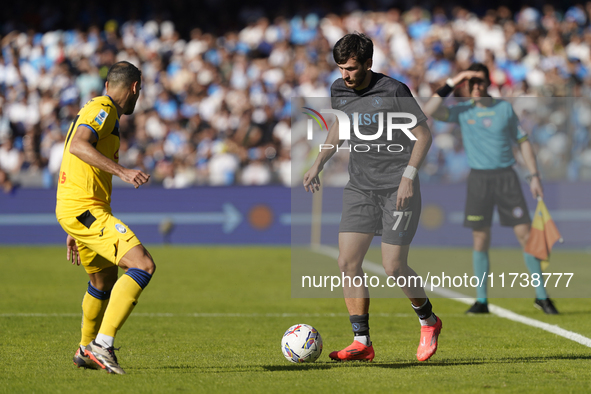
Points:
(121, 228)
(487, 122)
(376, 102)
(101, 117)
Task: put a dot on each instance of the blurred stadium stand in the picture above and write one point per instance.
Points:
(219, 75)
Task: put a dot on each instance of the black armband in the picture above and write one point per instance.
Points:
(528, 178)
(444, 91)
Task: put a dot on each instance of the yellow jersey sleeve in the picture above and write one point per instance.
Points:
(100, 116)
(80, 185)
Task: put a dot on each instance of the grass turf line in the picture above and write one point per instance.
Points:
(227, 353)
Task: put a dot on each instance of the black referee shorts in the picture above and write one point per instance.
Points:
(487, 188)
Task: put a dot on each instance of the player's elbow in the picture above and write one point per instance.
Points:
(423, 133)
(75, 148)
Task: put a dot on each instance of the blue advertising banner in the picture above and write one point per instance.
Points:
(276, 215)
(209, 215)
(442, 216)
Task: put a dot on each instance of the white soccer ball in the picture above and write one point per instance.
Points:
(301, 343)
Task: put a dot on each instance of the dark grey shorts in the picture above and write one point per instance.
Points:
(487, 188)
(374, 211)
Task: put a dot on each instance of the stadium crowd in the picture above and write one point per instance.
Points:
(216, 109)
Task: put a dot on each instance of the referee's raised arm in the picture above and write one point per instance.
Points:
(434, 106)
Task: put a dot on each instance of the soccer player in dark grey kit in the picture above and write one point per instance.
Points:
(489, 128)
(383, 194)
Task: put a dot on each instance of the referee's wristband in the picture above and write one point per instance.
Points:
(410, 172)
(446, 89)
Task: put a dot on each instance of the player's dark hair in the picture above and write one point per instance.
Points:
(123, 73)
(355, 45)
(480, 67)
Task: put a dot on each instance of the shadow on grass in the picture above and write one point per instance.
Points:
(325, 365)
(425, 364)
(361, 364)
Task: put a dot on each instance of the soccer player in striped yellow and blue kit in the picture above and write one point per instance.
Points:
(489, 129)
(96, 239)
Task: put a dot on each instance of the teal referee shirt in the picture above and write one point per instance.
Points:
(487, 133)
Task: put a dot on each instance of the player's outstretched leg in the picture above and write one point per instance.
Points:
(94, 304)
(430, 329)
(124, 298)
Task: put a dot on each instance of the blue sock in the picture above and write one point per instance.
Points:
(141, 277)
(534, 267)
(480, 263)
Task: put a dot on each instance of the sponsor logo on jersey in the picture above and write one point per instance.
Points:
(121, 228)
(101, 117)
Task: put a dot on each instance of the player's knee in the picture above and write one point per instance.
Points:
(394, 272)
(145, 262)
(148, 265)
(347, 266)
(523, 238)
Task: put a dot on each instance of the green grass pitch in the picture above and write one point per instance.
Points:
(212, 319)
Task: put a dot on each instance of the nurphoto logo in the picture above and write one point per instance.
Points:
(364, 119)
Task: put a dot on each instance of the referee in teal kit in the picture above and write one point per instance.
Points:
(489, 128)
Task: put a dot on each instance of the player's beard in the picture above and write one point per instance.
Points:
(358, 80)
(130, 108)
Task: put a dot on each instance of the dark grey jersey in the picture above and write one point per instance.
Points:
(377, 164)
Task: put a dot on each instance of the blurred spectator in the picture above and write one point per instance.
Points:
(11, 158)
(216, 104)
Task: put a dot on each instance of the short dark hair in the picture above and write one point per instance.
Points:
(480, 67)
(123, 73)
(355, 45)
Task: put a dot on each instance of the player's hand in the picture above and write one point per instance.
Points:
(404, 194)
(311, 179)
(135, 177)
(72, 251)
(467, 75)
(536, 187)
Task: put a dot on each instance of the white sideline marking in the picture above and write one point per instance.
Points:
(453, 295)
